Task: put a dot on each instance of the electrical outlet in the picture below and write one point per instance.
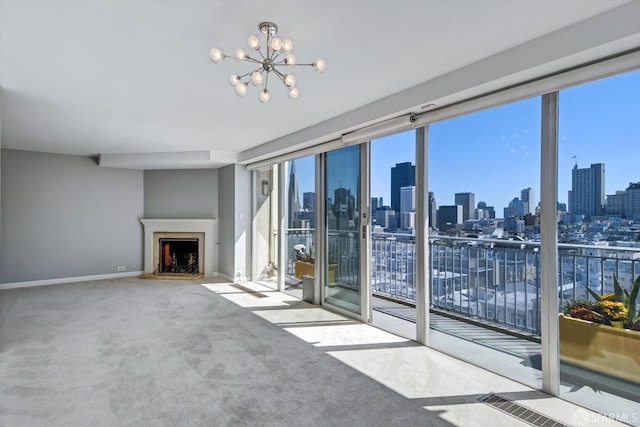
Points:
(120, 268)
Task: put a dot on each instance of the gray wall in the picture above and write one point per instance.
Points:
(63, 216)
(181, 194)
(226, 223)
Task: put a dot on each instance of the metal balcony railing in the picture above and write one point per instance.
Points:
(493, 280)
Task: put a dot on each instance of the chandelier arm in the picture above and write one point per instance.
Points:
(280, 75)
(248, 59)
(274, 55)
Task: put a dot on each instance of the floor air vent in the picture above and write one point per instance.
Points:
(523, 413)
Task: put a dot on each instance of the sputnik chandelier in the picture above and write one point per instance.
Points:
(273, 60)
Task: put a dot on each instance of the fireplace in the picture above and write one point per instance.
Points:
(176, 247)
(178, 255)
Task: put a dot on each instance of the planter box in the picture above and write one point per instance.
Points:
(601, 348)
(301, 268)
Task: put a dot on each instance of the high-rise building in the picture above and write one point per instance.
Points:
(516, 208)
(587, 195)
(293, 198)
(528, 197)
(487, 211)
(408, 220)
(376, 202)
(402, 175)
(309, 201)
(408, 199)
(433, 210)
(467, 201)
(449, 216)
(632, 201)
(385, 217)
(343, 208)
(408, 207)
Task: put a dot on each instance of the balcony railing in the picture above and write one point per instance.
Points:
(493, 280)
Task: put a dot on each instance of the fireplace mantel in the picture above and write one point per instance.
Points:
(206, 226)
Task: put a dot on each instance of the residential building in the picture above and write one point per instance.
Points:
(615, 204)
(632, 201)
(587, 194)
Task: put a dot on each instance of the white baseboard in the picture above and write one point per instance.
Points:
(32, 283)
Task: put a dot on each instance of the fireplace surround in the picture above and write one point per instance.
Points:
(202, 231)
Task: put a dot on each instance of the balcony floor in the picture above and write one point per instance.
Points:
(507, 355)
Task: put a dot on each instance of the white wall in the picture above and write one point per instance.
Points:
(243, 221)
(226, 225)
(63, 217)
(234, 227)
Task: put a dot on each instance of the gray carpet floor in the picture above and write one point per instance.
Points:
(173, 353)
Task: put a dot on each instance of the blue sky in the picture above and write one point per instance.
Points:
(495, 153)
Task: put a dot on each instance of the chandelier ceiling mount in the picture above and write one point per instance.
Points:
(272, 60)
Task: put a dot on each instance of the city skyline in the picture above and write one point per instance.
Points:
(598, 123)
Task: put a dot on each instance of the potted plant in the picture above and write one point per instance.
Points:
(304, 264)
(593, 334)
(628, 300)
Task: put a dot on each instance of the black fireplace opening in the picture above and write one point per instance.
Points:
(178, 255)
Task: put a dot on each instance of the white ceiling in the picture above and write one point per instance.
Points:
(100, 77)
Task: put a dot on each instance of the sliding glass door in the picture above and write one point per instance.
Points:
(346, 229)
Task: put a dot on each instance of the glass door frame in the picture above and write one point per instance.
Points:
(364, 240)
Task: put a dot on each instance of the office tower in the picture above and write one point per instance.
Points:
(528, 197)
(467, 201)
(408, 207)
(449, 216)
(516, 208)
(309, 201)
(487, 211)
(402, 175)
(376, 202)
(293, 198)
(408, 220)
(343, 205)
(408, 199)
(433, 210)
(632, 201)
(587, 196)
(385, 217)
(514, 226)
